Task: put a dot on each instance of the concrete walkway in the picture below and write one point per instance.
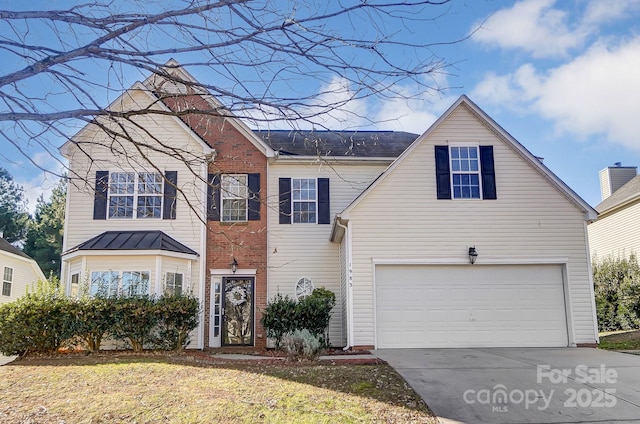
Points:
(6, 359)
(517, 385)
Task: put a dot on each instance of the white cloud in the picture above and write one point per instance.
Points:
(540, 28)
(531, 25)
(598, 11)
(594, 94)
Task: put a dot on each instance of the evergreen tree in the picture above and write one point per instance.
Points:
(13, 210)
(44, 239)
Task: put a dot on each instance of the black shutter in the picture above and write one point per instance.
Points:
(100, 196)
(324, 209)
(170, 198)
(488, 173)
(213, 197)
(443, 179)
(284, 187)
(254, 197)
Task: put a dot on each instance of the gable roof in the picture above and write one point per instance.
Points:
(590, 213)
(338, 143)
(173, 67)
(9, 248)
(625, 194)
(137, 86)
(134, 240)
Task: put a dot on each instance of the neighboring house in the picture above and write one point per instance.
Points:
(616, 232)
(18, 270)
(383, 219)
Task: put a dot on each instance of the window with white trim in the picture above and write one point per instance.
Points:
(7, 281)
(135, 195)
(173, 283)
(234, 191)
(304, 200)
(112, 283)
(75, 285)
(465, 172)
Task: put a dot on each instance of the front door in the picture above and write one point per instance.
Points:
(237, 311)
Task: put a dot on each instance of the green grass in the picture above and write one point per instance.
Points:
(110, 389)
(627, 340)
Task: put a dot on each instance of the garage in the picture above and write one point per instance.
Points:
(435, 306)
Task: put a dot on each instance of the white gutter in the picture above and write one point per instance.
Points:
(347, 242)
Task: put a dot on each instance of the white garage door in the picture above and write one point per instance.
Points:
(470, 306)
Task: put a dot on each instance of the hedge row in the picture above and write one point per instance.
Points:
(47, 320)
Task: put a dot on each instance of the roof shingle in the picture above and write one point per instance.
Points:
(389, 144)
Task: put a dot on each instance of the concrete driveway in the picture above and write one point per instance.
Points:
(523, 385)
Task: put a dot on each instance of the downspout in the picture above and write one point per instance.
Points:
(347, 242)
(591, 286)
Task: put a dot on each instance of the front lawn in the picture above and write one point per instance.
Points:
(627, 340)
(109, 389)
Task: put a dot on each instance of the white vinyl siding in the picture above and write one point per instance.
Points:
(24, 274)
(295, 251)
(617, 234)
(191, 194)
(530, 219)
(186, 228)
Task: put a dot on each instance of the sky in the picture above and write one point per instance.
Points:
(562, 77)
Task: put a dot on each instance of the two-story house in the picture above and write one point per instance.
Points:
(192, 199)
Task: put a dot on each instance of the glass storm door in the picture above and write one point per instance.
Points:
(237, 307)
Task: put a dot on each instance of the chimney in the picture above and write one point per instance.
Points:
(614, 177)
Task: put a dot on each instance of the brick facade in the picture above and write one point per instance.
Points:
(244, 241)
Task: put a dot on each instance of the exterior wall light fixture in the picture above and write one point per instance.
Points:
(473, 255)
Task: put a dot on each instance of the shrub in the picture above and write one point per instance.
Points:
(135, 319)
(314, 313)
(617, 293)
(178, 315)
(302, 345)
(284, 315)
(279, 318)
(94, 317)
(38, 322)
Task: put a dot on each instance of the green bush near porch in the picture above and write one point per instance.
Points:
(284, 315)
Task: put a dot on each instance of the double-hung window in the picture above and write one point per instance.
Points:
(303, 196)
(173, 283)
(234, 191)
(135, 195)
(7, 281)
(465, 172)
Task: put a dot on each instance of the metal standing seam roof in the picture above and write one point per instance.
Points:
(134, 240)
(8, 247)
(629, 191)
(338, 143)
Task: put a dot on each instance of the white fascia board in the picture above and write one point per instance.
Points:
(235, 122)
(138, 86)
(27, 261)
(589, 212)
(97, 253)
